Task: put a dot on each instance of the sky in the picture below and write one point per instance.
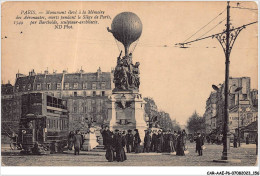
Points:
(178, 79)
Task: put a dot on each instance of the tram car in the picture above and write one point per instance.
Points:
(44, 122)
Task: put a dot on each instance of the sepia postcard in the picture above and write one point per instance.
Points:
(130, 83)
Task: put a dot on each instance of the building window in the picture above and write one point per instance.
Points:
(85, 85)
(75, 109)
(94, 86)
(94, 93)
(48, 123)
(75, 94)
(29, 86)
(84, 93)
(93, 109)
(244, 96)
(54, 123)
(103, 93)
(84, 109)
(67, 86)
(38, 86)
(58, 86)
(59, 94)
(24, 87)
(75, 86)
(103, 85)
(48, 86)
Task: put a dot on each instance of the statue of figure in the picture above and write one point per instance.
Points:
(136, 73)
(126, 74)
(120, 75)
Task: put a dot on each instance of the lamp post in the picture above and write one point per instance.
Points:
(227, 40)
(238, 124)
(226, 142)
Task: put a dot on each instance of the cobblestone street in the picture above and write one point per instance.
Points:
(246, 153)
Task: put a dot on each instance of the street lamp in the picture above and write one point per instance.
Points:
(238, 125)
(226, 134)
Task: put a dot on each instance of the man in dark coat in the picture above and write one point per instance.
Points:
(77, 141)
(70, 140)
(147, 141)
(137, 141)
(129, 141)
(174, 140)
(117, 141)
(105, 132)
(170, 137)
(199, 144)
(247, 139)
(235, 141)
(179, 145)
(154, 142)
(123, 135)
(159, 141)
(165, 142)
(109, 147)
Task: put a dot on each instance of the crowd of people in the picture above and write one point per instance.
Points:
(118, 143)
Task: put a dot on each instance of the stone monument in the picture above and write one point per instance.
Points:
(127, 104)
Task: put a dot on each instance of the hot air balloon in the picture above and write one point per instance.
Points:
(126, 27)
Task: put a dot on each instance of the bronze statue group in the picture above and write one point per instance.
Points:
(126, 75)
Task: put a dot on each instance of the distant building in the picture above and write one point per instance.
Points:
(210, 113)
(10, 114)
(242, 102)
(86, 93)
(254, 97)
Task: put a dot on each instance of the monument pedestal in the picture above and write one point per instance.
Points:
(127, 112)
(90, 140)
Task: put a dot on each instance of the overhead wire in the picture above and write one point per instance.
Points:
(205, 25)
(213, 28)
(240, 7)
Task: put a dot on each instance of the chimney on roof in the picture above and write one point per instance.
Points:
(33, 73)
(81, 70)
(46, 72)
(112, 70)
(8, 81)
(99, 72)
(64, 71)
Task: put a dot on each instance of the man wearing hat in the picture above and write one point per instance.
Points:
(154, 141)
(147, 141)
(199, 144)
(104, 132)
(118, 145)
(159, 141)
(109, 147)
(137, 141)
(77, 141)
(129, 141)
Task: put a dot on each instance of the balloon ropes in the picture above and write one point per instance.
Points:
(126, 28)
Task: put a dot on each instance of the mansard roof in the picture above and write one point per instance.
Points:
(7, 89)
(68, 78)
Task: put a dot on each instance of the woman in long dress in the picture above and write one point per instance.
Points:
(180, 145)
(109, 147)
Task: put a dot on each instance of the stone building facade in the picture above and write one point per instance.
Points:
(241, 103)
(10, 114)
(210, 113)
(86, 93)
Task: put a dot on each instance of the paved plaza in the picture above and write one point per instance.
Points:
(246, 153)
